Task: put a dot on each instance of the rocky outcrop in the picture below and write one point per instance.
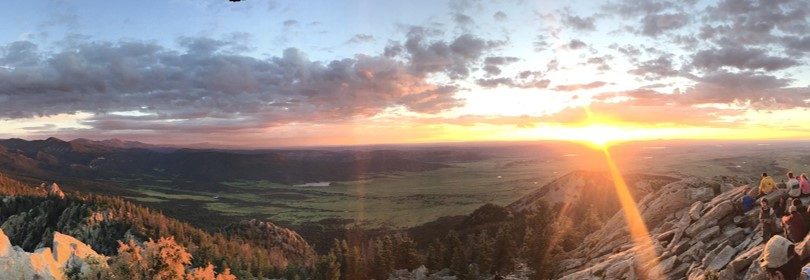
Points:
(278, 240)
(67, 255)
(54, 191)
(695, 228)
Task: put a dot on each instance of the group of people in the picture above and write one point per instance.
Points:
(785, 223)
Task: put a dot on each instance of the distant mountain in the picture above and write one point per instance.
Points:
(118, 143)
(87, 159)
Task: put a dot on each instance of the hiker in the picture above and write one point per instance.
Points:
(804, 184)
(766, 219)
(780, 260)
(805, 211)
(747, 203)
(795, 228)
(766, 185)
(799, 206)
(779, 207)
(793, 186)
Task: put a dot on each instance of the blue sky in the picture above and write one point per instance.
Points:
(333, 72)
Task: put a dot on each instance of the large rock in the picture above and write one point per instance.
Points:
(695, 252)
(55, 191)
(68, 253)
(701, 194)
(696, 210)
(745, 259)
(710, 218)
(668, 264)
(707, 234)
(722, 258)
(621, 270)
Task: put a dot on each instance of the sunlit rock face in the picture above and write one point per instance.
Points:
(55, 191)
(46, 263)
(696, 232)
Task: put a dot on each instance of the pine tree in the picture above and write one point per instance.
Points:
(505, 252)
(407, 255)
(435, 256)
(483, 245)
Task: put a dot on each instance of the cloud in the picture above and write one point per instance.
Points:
(575, 44)
(290, 23)
(657, 68)
(540, 43)
(499, 16)
(657, 24)
(754, 22)
(454, 58)
(745, 89)
(579, 23)
(575, 87)
(645, 114)
(757, 90)
(361, 38)
(635, 8)
(524, 79)
(601, 62)
(796, 44)
(463, 20)
(205, 85)
(492, 64)
(743, 58)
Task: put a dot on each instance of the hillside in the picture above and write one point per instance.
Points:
(30, 216)
(578, 195)
(696, 233)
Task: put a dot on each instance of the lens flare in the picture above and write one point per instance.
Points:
(646, 256)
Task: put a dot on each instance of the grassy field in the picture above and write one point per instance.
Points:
(406, 199)
(394, 200)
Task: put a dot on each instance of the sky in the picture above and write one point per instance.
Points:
(298, 73)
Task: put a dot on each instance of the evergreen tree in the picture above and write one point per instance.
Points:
(504, 253)
(435, 256)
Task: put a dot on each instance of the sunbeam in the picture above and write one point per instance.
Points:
(643, 246)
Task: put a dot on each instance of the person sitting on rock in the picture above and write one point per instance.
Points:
(793, 186)
(780, 261)
(747, 203)
(804, 184)
(799, 206)
(779, 207)
(795, 228)
(766, 219)
(766, 185)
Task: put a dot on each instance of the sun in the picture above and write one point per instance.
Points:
(599, 136)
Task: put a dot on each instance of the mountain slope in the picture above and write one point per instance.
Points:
(30, 217)
(696, 234)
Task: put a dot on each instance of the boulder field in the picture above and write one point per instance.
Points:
(696, 229)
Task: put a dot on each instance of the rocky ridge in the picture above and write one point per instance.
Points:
(696, 231)
(68, 255)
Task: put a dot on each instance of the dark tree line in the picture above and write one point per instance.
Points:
(532, 241)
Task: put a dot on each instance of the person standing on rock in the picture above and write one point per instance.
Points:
(795, 228)
(766, 185)
(793, 186)
(780, 261)
(804, 184)
(766, 219)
